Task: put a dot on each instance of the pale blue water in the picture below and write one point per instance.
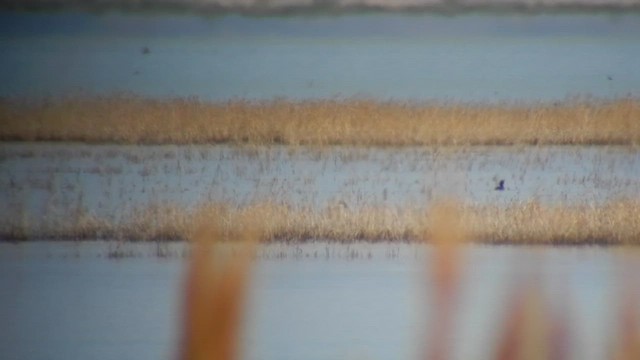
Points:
(386, 56)
(67, 300)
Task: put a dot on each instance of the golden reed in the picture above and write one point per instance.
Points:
(526, 223)
(216, 289)
(130, 119)
(215, 292)
(532, 328)
(446, 232)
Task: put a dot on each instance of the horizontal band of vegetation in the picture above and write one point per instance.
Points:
(129, 119)
(614, 223)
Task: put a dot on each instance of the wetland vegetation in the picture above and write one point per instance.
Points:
(569, 195)
(131, 119)
(612, 223)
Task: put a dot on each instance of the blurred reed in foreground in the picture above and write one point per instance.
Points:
(132, 119)
(216, 291)
(446, 232)
(533, 329)
(216, 288)
(613, 223)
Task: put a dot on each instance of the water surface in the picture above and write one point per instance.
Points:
(479, 58)
(314, 301)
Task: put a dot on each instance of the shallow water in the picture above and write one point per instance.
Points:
(315, 301)
(47, 182)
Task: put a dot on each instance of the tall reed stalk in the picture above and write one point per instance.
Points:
(215, 293)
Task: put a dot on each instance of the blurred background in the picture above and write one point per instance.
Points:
(470, 51)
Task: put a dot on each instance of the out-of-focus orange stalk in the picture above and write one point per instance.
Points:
(628, 345)
(215, 294)
(528, 333)
(446, 234)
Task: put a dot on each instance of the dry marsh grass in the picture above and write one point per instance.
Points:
(131, 119)
(613, 223)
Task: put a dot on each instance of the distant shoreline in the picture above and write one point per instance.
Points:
(131, 119)
(329, 8)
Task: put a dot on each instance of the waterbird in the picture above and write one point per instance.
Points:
(500, 186)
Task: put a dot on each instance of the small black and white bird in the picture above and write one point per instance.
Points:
(500, 186)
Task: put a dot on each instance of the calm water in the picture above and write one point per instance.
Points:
(68, 300)
(388, 56)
